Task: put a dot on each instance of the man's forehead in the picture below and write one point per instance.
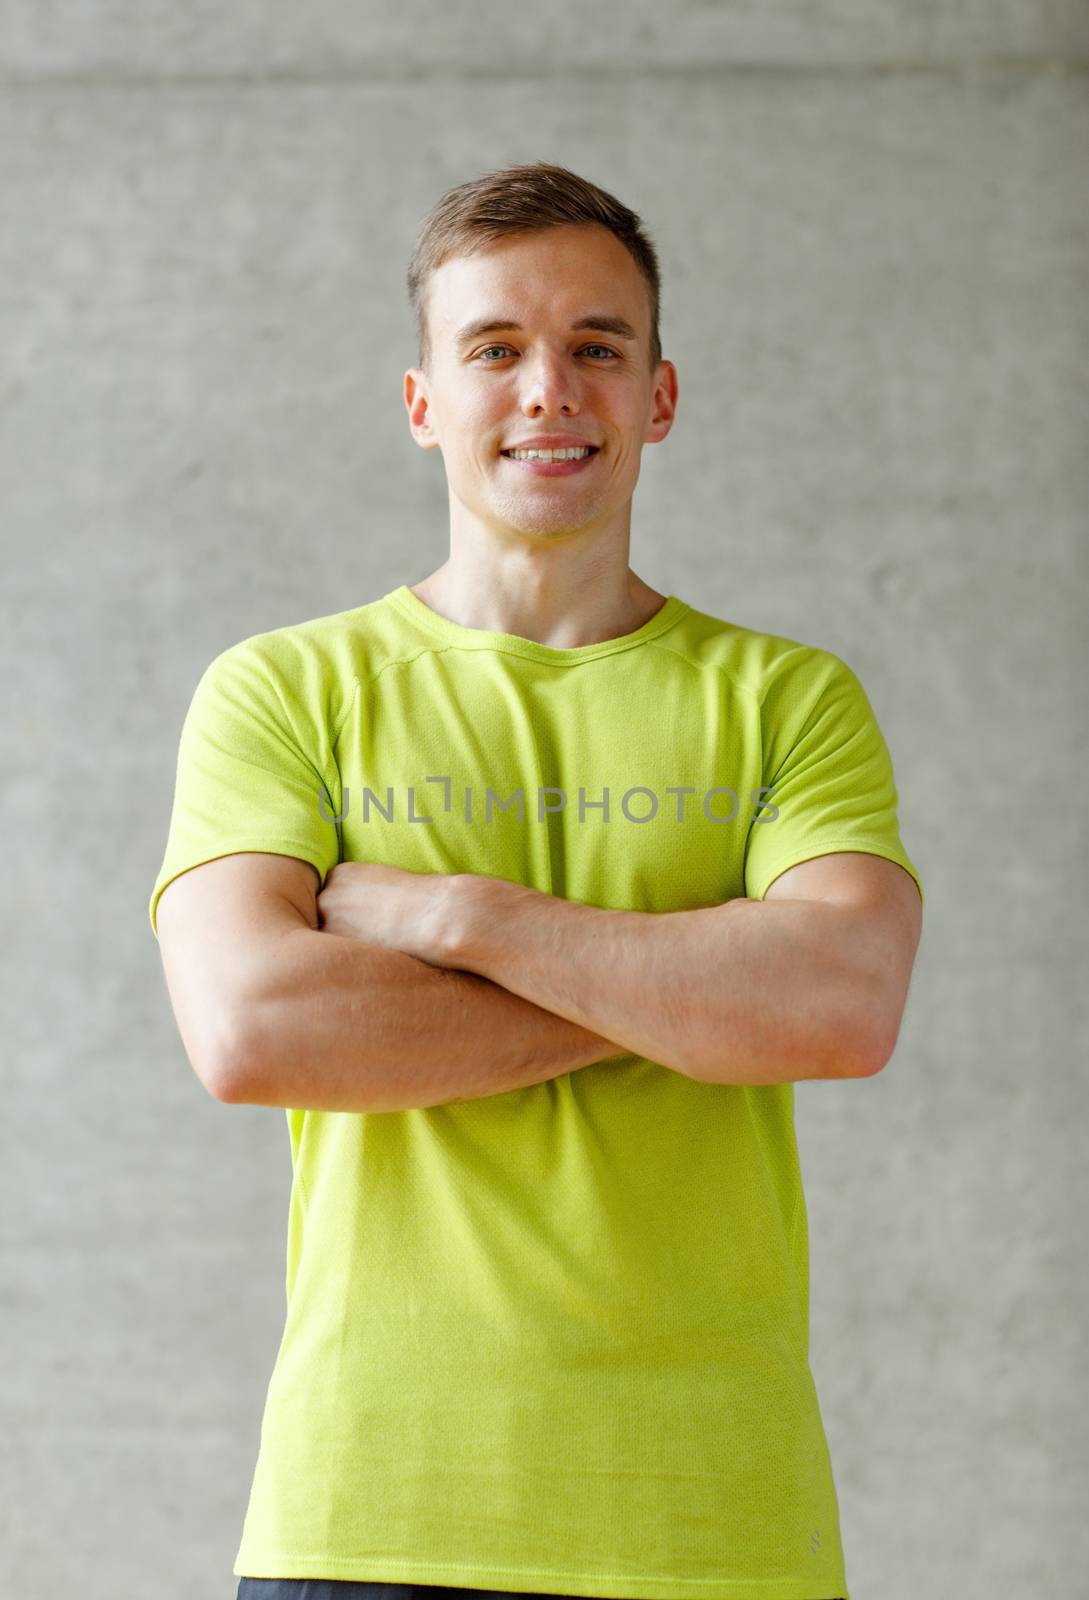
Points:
(488, 286)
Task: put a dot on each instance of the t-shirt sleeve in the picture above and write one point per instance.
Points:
(255, 765)
(829, 770)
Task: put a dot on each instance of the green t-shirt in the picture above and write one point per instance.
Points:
(556, 1339)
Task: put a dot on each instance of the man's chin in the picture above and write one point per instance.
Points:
(543, 521)
(542, 529)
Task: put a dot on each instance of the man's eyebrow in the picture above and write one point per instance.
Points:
(600, 322)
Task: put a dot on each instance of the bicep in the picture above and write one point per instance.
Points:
(217, 924)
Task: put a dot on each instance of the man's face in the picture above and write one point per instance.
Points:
(496, 388)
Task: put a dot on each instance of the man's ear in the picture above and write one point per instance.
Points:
(418, 406)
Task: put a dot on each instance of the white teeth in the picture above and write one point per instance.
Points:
(549, 455)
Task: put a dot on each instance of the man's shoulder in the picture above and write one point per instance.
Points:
(315, 633)
(754, 658)
(339, 644)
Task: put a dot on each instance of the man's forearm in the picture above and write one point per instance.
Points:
(340, 1025)
(746, 992)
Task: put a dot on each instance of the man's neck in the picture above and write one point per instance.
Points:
(565, 624)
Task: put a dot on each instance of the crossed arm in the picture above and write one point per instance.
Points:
(808, 983)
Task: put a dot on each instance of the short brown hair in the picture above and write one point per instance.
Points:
(522, 199)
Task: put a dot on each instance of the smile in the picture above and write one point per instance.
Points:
(551, 463)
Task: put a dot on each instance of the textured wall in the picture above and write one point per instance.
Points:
(873, 223)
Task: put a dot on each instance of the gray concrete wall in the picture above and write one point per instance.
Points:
(873, 222)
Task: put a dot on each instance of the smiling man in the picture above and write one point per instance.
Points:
(530, 892)
(541, 418)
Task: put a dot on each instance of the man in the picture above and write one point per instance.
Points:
(530, 892)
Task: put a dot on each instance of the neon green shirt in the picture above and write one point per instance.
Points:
(555, 1339)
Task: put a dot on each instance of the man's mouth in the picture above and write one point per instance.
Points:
(571, 454)
(552, 463)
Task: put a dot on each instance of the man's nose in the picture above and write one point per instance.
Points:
(550, 383)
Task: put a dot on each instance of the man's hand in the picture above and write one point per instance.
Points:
(389, 906)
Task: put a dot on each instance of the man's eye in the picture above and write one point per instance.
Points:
(491, 347)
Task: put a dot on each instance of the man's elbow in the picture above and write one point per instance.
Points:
(219, 1082)
(226, 1072)
(859, 1026)
(844, 1046)
(870, 1049)
(250, 1066)
(882, 1052)
(856, 1048)
(228, 1088)
(789, 1062)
